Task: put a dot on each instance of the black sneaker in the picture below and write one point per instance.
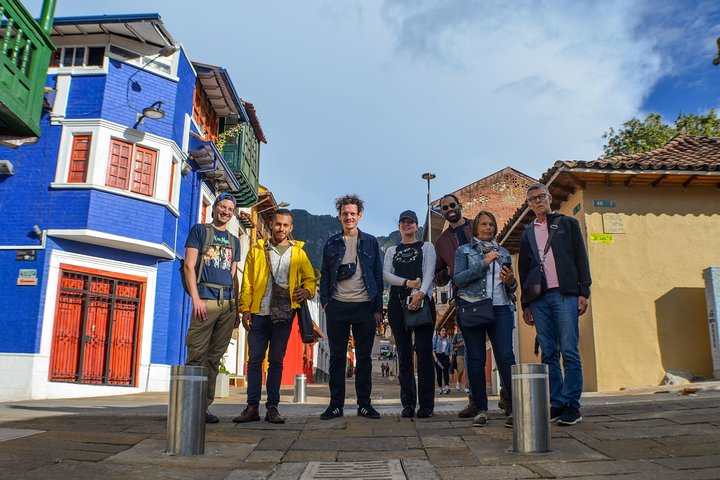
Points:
(509, 422)
(424, 412)
(480, 420)
(570, 416)
(555, 413)
(210, 418)
(368, 411)
(408, 412)
(331, 412)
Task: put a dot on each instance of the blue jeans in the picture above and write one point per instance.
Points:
(500, 335)
(556, 324)
(263, 332)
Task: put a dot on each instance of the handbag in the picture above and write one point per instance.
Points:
(307, 331)
(534, 284)
(422, 317)
(478, 314)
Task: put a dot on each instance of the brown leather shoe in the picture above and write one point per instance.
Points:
(470, 409)
(273, 416)
(250, 414)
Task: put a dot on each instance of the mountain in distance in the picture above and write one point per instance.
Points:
(314, 230)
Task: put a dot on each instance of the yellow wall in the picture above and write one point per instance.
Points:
(647, 296)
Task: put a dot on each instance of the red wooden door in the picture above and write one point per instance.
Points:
(96, 330)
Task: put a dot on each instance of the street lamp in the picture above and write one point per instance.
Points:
(428, 176)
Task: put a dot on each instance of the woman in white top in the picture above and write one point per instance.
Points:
(408, 268)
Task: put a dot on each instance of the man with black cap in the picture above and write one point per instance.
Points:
(211, 256)
(408, 268)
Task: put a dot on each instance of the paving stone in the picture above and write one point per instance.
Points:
(288, 471)
(685, 463)
(415, 454)
(652, 432)
(248, 474)
(692, 450)
(278, 443)
(499, 472)
(451, 457)
(419, 470)
(217, 455)
(498, 452)
(605, 467)
(76, 470)
(628, 449)
(435, 441)
(653, 422)
(267, 456)
(13, 433)
(687, 439)
(358, 444)
(312, 456)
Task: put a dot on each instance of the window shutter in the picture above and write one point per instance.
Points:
(119, 165)
(79, 158)
(144, 171)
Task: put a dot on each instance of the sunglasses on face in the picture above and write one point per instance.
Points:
(449, 206)
(537, 198)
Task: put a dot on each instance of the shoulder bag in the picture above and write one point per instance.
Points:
(534, 284)
(478, 314)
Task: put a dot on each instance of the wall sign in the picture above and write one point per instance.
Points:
(601, 238)
(604, 203)
(27, 277)
(613, 223)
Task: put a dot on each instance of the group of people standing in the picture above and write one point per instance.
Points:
(278, 277)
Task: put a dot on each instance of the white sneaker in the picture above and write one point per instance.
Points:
(467, 390)
(457, 386)
(440, 392)
(447, 390)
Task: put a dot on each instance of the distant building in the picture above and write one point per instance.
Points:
(651, 224)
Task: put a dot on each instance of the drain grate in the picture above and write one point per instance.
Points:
(373, 470)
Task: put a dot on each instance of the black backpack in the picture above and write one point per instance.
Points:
(199, 264)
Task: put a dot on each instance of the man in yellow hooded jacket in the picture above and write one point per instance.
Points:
(278, 276)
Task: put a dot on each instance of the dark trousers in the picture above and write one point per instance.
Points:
(500, 335)
(442, 371)
(409, 392)
(264, 336)
(342, 317)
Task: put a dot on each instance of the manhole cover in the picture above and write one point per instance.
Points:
(375, 470)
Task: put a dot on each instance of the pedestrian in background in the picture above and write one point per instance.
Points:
(442, 350)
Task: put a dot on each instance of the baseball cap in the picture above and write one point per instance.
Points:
(225, 196)
(409, 214)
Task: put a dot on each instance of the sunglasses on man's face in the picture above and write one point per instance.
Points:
(449, 206)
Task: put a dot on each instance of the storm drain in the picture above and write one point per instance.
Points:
(374, 470)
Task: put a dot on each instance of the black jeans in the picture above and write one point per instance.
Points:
(443, 370)
(341, 318)
(424, 392)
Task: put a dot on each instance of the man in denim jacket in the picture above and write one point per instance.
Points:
(351, 289)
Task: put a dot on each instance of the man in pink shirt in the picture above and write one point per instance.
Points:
(555, 313)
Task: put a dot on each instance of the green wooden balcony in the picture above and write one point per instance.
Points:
(25, 50)
(241, 152)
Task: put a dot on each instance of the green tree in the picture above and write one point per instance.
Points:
(638, 136)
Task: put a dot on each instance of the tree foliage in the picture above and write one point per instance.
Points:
(638, 136)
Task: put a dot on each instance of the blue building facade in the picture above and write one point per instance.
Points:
(98, 210)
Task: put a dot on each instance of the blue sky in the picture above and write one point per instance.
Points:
(363, 96)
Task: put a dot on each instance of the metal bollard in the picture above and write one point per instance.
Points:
(186, 410)
(300, 395)
(531, 408)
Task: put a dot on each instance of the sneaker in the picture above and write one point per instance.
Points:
(447, 390)
(210, 418)
(440, 391)
(424, 412)
(331, 412)
(408, 412)
(555, 413)
(467, 390)
(273, 416)
(570, 416)
(250, 414)
(457, 386)
(368, 411)
(480, 420)
(505, 404)
(509, 422)
(470, 409)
